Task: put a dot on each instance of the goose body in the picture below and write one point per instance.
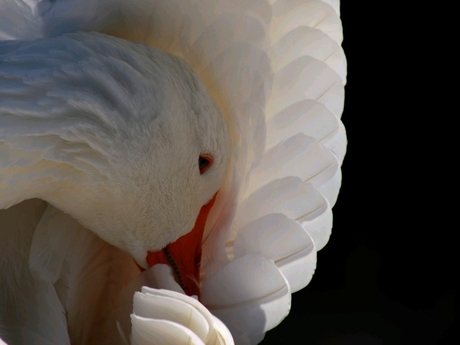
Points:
(102, 141)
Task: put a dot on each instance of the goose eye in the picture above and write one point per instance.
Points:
(204, 163)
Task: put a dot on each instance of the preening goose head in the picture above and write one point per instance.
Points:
(123, 137)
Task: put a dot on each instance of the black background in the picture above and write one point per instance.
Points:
(387, 275)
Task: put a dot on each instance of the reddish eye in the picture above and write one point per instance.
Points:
(204, 162)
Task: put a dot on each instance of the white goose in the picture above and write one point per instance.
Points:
(101, 136)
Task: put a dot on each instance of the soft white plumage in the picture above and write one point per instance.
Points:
(276, 71)
(103, 119)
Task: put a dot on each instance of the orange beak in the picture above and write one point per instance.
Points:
(184, 255)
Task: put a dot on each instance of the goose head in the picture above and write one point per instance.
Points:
(123, 137)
